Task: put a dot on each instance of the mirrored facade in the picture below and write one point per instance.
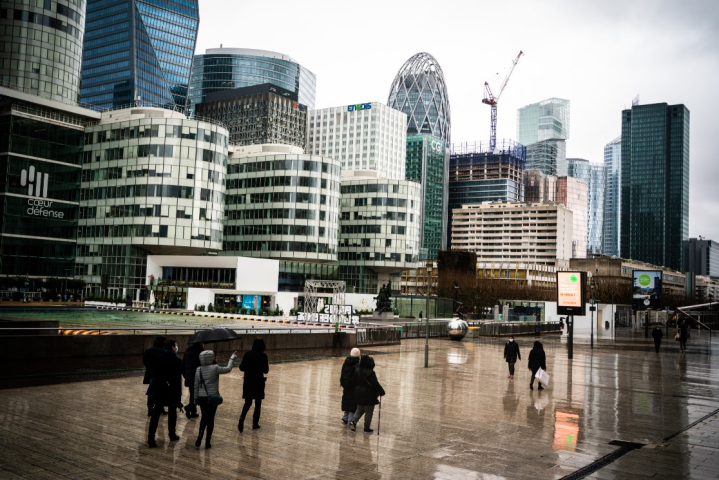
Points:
(574, 193)
(544, 128)
(595, 174)
(612, 198)
(138, 51)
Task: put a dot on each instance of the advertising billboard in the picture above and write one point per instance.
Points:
(646, 289)
(571, 293)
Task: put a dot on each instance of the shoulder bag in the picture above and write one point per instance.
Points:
(213, 400)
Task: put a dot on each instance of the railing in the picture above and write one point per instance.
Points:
(419, 330)
(492, 329)
(378, 335)
(140, 330)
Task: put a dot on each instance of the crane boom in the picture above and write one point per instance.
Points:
(506, 79)
(492, 101)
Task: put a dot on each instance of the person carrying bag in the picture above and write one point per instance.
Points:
(207, 392)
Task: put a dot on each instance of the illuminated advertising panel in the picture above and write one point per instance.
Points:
(646, 289)
(571, 293)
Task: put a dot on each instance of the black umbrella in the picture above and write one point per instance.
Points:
(214, 335)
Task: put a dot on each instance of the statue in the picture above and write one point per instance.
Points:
(383, 298)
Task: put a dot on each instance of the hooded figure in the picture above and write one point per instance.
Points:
(190, 362)
(367, 389)
(349, 405)
(537, 359)
(167, 384)
(207, 382)
(255, 364)
(149, 358)
(511, 354)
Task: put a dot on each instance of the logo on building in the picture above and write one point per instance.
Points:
(359, 106)
(436, 146)
(36, 182)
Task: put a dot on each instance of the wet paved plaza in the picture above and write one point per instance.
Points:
(461, 418)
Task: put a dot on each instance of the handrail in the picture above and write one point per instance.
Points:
(194, 329)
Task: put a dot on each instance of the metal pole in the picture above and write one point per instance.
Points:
(426, 340)
(570, 339)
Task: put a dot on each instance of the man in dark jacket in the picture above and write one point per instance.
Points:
(511, 354)
(657, 334)
(148, 360)
(168, 391)
(190, 362)
(349, 404)
(537, 359)
(367, 389)
(255, 364)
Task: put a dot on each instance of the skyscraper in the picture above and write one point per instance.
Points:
(612, 197)
(595, 175)
(138, 51)
(543, 127)
(655, 184)
(703, 257)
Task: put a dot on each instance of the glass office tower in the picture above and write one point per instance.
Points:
(655, 184)
(42, 47)
(228, 68)
(595, 174)
(138, 52)
(612, 197)
(544, 128)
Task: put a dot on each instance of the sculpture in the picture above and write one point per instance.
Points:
(383, 298)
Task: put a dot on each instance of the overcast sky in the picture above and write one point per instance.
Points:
(599, 54)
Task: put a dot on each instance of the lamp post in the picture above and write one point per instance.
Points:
(591, 311)
(66, 270)
(426, 339)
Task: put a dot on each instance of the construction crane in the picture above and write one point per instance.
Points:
(492, 101)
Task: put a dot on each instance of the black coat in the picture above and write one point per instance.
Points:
(190, 362)
(537, 358)
(149, 357)
(255, 364)
(349, 404)
(657, 334)
(167, 382)
(367, 387)
(511, 352)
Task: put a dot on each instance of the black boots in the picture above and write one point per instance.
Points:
(241, 424)
(199, 437)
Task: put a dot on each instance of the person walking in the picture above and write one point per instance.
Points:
(148, 360)
(683, 336)
(420, 317)
(511, 354)
(255, 364)
(657, 334)
(207, 382)
(367, 389)
(537, 359)
(168, 391)
(349, 404)
(190, 362)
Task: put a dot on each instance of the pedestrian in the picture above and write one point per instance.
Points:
(190, 362)
(207, 382)
(511, 355)
(148, 360)
(683, 335)
(420, 317)
(537, 359)
(349, 404)
(367, 389)
(168, 391)
(657, 334)
(255, 364)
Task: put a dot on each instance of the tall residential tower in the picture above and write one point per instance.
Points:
(612, 198)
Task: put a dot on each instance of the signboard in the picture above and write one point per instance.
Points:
(359, 106)
(571, 293)
(250, 302)
(331, 314)
(646, 289)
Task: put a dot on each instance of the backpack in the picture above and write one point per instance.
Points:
(346, 378)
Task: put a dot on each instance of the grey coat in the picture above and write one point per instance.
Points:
(210, 375)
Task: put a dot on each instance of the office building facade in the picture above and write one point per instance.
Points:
(230, 68)
(595, 175)
(655, 184)
(612, 198)
(261, 114)
(152, 183)
(420, 92)
(703, 257)
(366, 136)
(543, 127)
(138, 52)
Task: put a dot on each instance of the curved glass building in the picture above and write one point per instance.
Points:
(228, 68)
(419, 91)
(42, 51)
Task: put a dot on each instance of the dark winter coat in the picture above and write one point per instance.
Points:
(149, 357)
(190, 362)
(367, 387)
(657, 334)
(168, 379)
(537, 358)
(511, 352)
(683, 332)
(255, 364)
(349, 404)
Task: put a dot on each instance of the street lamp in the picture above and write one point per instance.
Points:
(591, 311)
(426, 339)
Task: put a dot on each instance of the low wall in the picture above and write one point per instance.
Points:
(18, 322)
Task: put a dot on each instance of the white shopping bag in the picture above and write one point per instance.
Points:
(542, 376)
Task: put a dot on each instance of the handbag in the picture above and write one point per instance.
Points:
(542, 376)
(677, 336)
(213, 400)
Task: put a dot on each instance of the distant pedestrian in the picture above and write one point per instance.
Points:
(367, 390)
(349, 404)
(511, 354)
(168, 391)
(537, 359)
(190, 362)
(148, 360)
(657, 334)
(255, 364)
(207, 382)
(683, 336)
(420, 317)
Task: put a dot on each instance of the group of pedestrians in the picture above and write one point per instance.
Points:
(537, 359)
(361, 390)
(681, 336)
(164, 372)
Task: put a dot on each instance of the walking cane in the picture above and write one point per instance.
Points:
(379, 417)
